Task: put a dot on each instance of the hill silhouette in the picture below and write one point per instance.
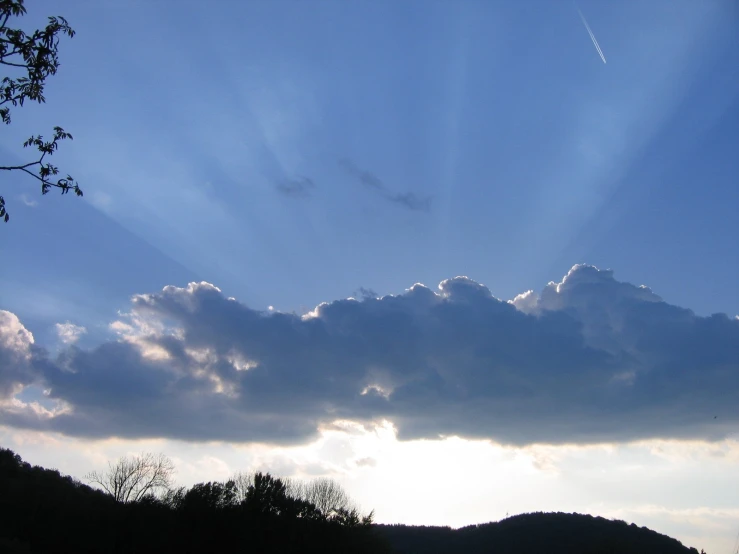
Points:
(43, 511)
(534, 533)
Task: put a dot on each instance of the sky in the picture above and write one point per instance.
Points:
(459, 256)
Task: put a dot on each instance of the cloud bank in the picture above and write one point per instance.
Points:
(587, 360)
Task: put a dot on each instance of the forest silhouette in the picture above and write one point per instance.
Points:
(43, 511)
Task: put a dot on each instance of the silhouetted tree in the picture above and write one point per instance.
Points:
(42, 511)
(266, 496)
(31, 58)
(326, 494)
(554, 533)
(242, 480)
(210, 496)
(45, 512)
(173, 497)
(350, 517)
(132, 478)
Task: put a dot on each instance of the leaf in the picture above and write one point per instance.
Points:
(36, 56)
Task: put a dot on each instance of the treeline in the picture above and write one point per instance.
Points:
(44, 511)
(139, 510)
(534, 533)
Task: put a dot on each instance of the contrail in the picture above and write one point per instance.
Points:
(592, 36)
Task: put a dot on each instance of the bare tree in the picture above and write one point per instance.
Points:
(243, 481)
(293, 487)
(326, 494)
(132, 478)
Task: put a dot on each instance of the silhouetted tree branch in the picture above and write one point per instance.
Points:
(35, 57)
(326, 494)
(210, 496)
(130, 479)
(242, 481)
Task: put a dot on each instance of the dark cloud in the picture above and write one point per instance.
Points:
(365, 293)
(411, 201)
(297, 187)
(590, 359)
(365, 177)
(408, 200)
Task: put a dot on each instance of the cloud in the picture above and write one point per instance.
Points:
(27, 201)
(408, 200)
(15, 356)
(69, 333)
(297, 187)
(588, 360)
(365, 293)
(411, 201)
(101, 200)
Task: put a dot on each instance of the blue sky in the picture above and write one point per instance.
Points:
(291, 153)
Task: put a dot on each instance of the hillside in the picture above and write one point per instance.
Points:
(534, 533)
(42, 511)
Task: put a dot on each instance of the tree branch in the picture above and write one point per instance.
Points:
(12, 167)
(5, 20)
(3, 62)
(37, 55)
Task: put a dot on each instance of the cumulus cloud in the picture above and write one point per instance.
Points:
(69, 333)
(409, 200)
(587, 360)
(15, 355)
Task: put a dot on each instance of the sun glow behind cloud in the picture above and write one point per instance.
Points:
(524, 144)
(388, 395)
(458, 482)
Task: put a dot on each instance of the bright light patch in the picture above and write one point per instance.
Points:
(13, 335)
(69, 333)
(459, 482)
(240, 363)
(315, 312)
(377, 389)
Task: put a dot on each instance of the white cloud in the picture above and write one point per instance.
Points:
(27, 201)
(101, 200)
(16, 343)
(69, 333)
(14, 337)
(526, 302)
